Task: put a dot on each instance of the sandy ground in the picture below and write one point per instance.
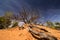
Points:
(16, 34)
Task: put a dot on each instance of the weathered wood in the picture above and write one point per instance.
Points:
(41, 35)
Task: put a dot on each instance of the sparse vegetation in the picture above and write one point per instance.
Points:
(55, 25)
(4, 23)
(27, 16)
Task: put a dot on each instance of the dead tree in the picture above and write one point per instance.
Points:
(28, 16)
(41, 35)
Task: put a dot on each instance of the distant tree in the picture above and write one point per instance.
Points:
(8, 14)
(57, 25)
(50, 24)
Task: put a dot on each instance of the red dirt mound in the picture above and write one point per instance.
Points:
(16, 34)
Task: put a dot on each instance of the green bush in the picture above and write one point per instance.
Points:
(57, 27)
(53, 27)
(4, 22)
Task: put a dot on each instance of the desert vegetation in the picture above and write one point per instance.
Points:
(4, 22)
(54, 25)
(27, 16)
(30, 17)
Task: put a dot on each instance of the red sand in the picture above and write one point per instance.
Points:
(16, 34)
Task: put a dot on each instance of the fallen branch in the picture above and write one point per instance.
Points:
(41, 35)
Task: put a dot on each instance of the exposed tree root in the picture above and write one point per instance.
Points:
(41, 35)
(38, 28)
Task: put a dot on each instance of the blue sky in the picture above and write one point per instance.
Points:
(50, 9)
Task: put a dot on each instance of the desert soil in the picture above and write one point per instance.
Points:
(16, 34)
